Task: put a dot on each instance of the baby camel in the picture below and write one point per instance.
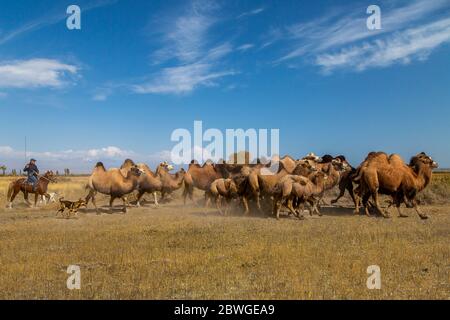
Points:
(223, 188)
(301, 189)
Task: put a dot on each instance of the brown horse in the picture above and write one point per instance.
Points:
(21, 185)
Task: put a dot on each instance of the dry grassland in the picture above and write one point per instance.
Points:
(176, 252)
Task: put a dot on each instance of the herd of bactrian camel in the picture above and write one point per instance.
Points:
(293, 185)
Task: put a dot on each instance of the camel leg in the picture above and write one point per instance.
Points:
(258, 201)
(155, 196)
(217, 201)
(341, 194)
(422, 215)
(111, 201)
(125, 203)
(352, 194)
(274, 206)
(138, 198)
(400, 213)
(95, 205)
(365, 203)
(207, 199)
(245, 203)
(375, 197)
(300, 207)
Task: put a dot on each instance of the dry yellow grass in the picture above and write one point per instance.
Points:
(177, 252)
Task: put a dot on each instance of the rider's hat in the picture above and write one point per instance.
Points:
(32, 159)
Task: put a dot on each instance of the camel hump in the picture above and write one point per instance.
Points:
(396, 160)
(127, 163)
(100, 165)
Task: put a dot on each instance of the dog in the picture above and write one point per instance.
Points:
(51, 198)
(71, 206)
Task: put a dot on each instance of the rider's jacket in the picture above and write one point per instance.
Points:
(31, 169)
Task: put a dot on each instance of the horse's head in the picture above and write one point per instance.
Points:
(50, 176)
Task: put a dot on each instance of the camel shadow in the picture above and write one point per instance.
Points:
(337, 211)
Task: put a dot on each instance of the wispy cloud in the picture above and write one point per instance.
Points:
(245, 47)
(196, 61)
(48, 20)
(341, 38)
(403, 47)
(251, 12)
(35, 73)
(185, 78)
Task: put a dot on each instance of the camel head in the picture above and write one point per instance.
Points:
(166, 166)
(339, 165)
(423, 158)
(313, 157)
(136, 171)
(307, 164)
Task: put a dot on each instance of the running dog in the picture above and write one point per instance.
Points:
(71, 206)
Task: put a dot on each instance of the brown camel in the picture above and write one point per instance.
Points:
(112, 182)
(262, 180)
(150, 182)
(21, 185)
(389, 175)
(201, 178)
(303, 189)
(169, 182)
(223, 188)
(346, 181)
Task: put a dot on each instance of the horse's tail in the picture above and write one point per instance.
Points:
(10, 191)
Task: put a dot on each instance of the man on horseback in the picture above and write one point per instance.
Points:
(32, 173)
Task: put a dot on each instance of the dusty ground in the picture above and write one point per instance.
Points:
(177, 252)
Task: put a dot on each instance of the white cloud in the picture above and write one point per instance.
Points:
(195, 60)
(78, 160)
(35, 73)
(402, 47)
(251, 13)
(48, 20)
(183, 79)
(245, 47)
(341, 39)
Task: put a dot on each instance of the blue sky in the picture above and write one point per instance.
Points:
(135, 72)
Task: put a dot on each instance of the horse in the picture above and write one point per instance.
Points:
(21, 185)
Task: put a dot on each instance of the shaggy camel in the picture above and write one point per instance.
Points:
(170, 182)
(389, 175)
(113, 183)
(149, 182)
(301, 188)
(223, 188)
(346, 181)
(201, 178)
(262, 180)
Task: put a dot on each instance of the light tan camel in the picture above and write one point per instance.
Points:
(113, 183)
(223, 188)
(383, 174)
